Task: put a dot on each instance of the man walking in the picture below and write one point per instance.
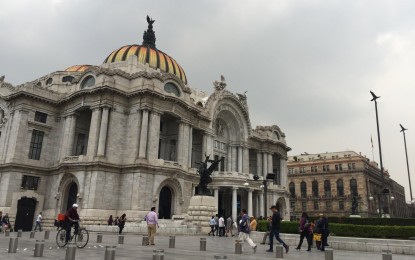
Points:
(152, 221)
(39, 222)
(229, 226)
(244, 230)
(217, 225)
(275, 230)
(221, 226)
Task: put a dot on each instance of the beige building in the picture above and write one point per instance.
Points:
(125, 135)
(329, 182)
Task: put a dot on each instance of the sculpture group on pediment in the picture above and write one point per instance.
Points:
(220, 85)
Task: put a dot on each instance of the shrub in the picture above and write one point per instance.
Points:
(262, 225)
(372, 221)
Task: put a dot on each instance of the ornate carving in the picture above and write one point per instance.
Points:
(149, 37)
(220, 129)
(220, 85)
(243, 98)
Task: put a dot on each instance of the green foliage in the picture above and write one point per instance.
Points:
(350, 230)
(372, 221)
(262, 225)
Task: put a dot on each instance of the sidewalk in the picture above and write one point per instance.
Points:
(187, 248)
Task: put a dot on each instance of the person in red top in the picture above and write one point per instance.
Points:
(71, 219)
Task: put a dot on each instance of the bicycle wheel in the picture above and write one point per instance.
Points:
(81, 240)
(61, 238)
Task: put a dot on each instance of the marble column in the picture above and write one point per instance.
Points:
(265, 164)
(180, 143)
(216, 194)
(71, 134)
(234, 159)
(250, 212)
(143, 135)
(270, 163)
(229, 159)
(245, 167)
(259, 164)
(93, 132)
(153, 136)
(283, 172)
(190, 148)
(240, 151)
(204, 147)
(261, 204)
(1, 115)
(257, 208)
(103, 132)
(234, 202)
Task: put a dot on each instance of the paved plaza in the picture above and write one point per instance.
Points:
(187, 247)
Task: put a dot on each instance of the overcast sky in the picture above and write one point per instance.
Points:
(308, 66)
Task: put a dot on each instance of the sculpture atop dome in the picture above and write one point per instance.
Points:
(149, 37)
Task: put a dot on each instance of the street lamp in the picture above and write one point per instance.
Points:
(403, 129)
(385, 191)
(264, 186)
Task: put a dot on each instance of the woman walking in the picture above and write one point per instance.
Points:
(305, 231)
(110, 221)
(121, 222)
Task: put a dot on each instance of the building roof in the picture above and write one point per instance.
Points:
(78, 68)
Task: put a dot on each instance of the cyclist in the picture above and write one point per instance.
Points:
(71, 219)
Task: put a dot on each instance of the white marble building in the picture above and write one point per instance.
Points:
(125, 135)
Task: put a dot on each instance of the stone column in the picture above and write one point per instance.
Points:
(240, 151)
(190, 148)
(204, 147)
(153, 136)
(261, 204)
(143, 135)
(283, 173)
(258, 205)
(216, 193)
(265, 164)
(234, 159)
(270, 163)
(93, 132)
(1, 115)
(71, 134)
(103, 132)
(234, 202)
(250, 212)
(229, 159)
(259, 164)
(180, 154)
(245, 161)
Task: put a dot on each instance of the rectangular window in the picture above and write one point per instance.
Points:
(353, 166)
(341, 205)
(324, 168)
(222, 164)
(292, 205)
(315, 205)
(302, 169)
(341, 167)
(217, 166)
(337, 167)
(304, 206)
(349, 166)
(290, 170)
(36, 144)
(327, 167)
(41, 117)
(29, 182)
(328, 205)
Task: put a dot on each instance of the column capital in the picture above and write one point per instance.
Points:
(235, 188)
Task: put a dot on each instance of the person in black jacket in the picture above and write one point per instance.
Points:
(323, 227)
(275, 230)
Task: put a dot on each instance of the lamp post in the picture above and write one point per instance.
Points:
(385, 191)
(403, 129)
(264, 185)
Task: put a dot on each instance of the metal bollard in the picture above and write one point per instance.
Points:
(70, 251)
(328, 254)
(32, 234)
(202, 244)
(172, 242)
(386, 255)
(145, 241)
(220, 257)
(158, 254)
(7, 233)
(109, 253)
(279, 251)
(120, 239)
(47, 233)
(13, 244)
(238, 247)
(39, 246)
(99, 238)
(19, 233)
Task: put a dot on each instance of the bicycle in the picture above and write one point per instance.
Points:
(81, 239)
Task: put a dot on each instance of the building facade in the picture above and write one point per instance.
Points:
(127, 135)
(332, 183)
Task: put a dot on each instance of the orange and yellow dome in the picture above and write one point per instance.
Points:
(147, 54)
(78, 68)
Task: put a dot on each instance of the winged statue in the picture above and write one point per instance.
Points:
(205, 174)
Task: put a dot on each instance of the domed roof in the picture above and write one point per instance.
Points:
(77, 68)
(148, 54)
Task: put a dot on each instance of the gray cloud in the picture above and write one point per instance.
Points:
(308, 66)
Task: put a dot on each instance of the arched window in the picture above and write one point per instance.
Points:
(39, 84)
(303, 190)
(275, 135)
(340, 188)
(88, 82)
(292, 189)
(172, 89)
(49, 81)
(315, 188)
(327, 188)
(67, 79)
(353, 188)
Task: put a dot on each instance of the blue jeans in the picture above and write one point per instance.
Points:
(276, 233)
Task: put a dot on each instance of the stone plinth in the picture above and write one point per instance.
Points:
(201, 210)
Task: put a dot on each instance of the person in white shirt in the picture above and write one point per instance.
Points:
(221, 226)
(39, 222)
(212, 224)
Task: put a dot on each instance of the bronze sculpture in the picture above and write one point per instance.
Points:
(205, 173)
